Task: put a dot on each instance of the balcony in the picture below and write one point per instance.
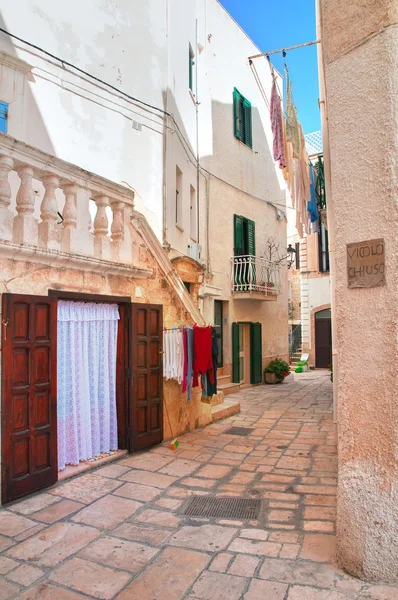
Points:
(52, 212)
(256, 278)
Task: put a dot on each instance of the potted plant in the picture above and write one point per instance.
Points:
(276, 371)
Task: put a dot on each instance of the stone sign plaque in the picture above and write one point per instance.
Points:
(366, 264)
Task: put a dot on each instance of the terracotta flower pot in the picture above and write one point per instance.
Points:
(271, 378)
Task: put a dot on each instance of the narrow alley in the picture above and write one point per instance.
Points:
(120, 531)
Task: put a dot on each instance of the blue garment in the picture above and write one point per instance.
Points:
(190, 361)
(312, 206)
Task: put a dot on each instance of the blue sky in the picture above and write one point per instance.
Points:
(272, 24)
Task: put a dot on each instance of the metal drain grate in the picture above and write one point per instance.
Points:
(222, 508)
(239, 431)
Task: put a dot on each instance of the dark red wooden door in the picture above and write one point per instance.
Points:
(147, 376)
(323, 343)
(29, 394)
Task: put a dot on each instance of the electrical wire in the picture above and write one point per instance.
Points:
(181, 136)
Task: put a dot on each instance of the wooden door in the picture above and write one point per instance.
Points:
(323, 343)
(147, 376)
(29, 394)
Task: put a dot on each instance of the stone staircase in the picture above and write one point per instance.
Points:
(294, 358)
(222, 407)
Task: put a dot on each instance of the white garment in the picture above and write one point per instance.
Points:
(86, 371)
(173, 357)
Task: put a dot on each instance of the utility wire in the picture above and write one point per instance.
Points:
(142, 102)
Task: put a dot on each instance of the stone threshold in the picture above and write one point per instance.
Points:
(86, 465)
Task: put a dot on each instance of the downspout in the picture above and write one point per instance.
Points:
(329, 202)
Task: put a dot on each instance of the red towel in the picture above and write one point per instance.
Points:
(202, 354)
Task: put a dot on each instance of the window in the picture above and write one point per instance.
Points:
(191, 64)
(188, 286)
(244, 236)
(193, 214)
(323, 249)
(218, 326)
(242, 119)
(297, 255)
(3, 117)
(178, 198)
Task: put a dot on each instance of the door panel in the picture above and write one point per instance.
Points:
(29, 394)
(323, 343)
(256, 354)
(147, 372)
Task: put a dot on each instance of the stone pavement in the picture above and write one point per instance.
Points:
(117, 532)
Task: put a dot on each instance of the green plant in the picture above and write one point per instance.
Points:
(279, 367)
(298, 370)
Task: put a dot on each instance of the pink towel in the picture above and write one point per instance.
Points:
(276, 125)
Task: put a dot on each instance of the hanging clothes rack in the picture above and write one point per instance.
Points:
(284, 49)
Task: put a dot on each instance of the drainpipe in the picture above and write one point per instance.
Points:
(329, 202)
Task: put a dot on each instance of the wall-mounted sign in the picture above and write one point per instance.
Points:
(366, 264)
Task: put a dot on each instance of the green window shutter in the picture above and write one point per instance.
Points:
(238, 235)
(235, 353)
(251, 237)
(237, 121)
(247, 112)
(256, 354)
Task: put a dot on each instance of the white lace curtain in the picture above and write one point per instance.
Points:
(86, 368)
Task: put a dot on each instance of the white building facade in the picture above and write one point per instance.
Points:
(160, 97)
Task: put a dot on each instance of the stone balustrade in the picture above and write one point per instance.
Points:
(56, 207)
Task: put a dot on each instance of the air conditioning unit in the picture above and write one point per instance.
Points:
(195, 252)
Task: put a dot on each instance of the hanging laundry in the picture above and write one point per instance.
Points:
(173, 357)
(312, 205)
(189, 358)
(277, 126)
(202, 360)
(212, 387)
(292, 124)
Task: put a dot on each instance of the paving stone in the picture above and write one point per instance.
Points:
(25, 575)
(137, 533)
(47, 591)
(320, 513)
(316, 500)
(298, 592)
(55, 544)
(147, 461)
(170, 503)
(282, 516)
(86, 488)
(135, 491)
(33, 504)
(156, 480)
(158, 517)
(289, 551)
(107, 512)
(112, 471)
(266, 590)
(90, 578)
(318, 547)
(12, 524)
(168, 577)
(29, 532)
(255, 547)
(7, 590)
(220, 562)
(5, 543)
(243, 565)
(381, 592)
(6, 564)
(58, 511)
(120, 554)
(213, 472)
(211, 538)
(180, 468)
(324, 526)
(290, 571)
(254, 534)
(218, 586)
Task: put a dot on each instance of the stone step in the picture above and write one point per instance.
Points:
(223, 378)
(228, 408)
(228, 388)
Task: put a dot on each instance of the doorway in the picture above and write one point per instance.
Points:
(246, 352)
(29, 384)
(323, 339)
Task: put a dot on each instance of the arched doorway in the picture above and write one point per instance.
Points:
(323, 339)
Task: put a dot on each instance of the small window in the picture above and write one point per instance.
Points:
(193, 214)
(242, 118)
(178, 207)
(191, 65)
(3, 117)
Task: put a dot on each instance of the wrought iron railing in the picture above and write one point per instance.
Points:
(294, 339)
(255, 274)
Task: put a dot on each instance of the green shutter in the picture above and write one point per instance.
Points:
(238, 235)
(235, 353)
(247, 112)
(256, 355)
(237, 123)
(251, 237)
(190, 71)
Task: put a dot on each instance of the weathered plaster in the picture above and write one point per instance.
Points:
(362, 97)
